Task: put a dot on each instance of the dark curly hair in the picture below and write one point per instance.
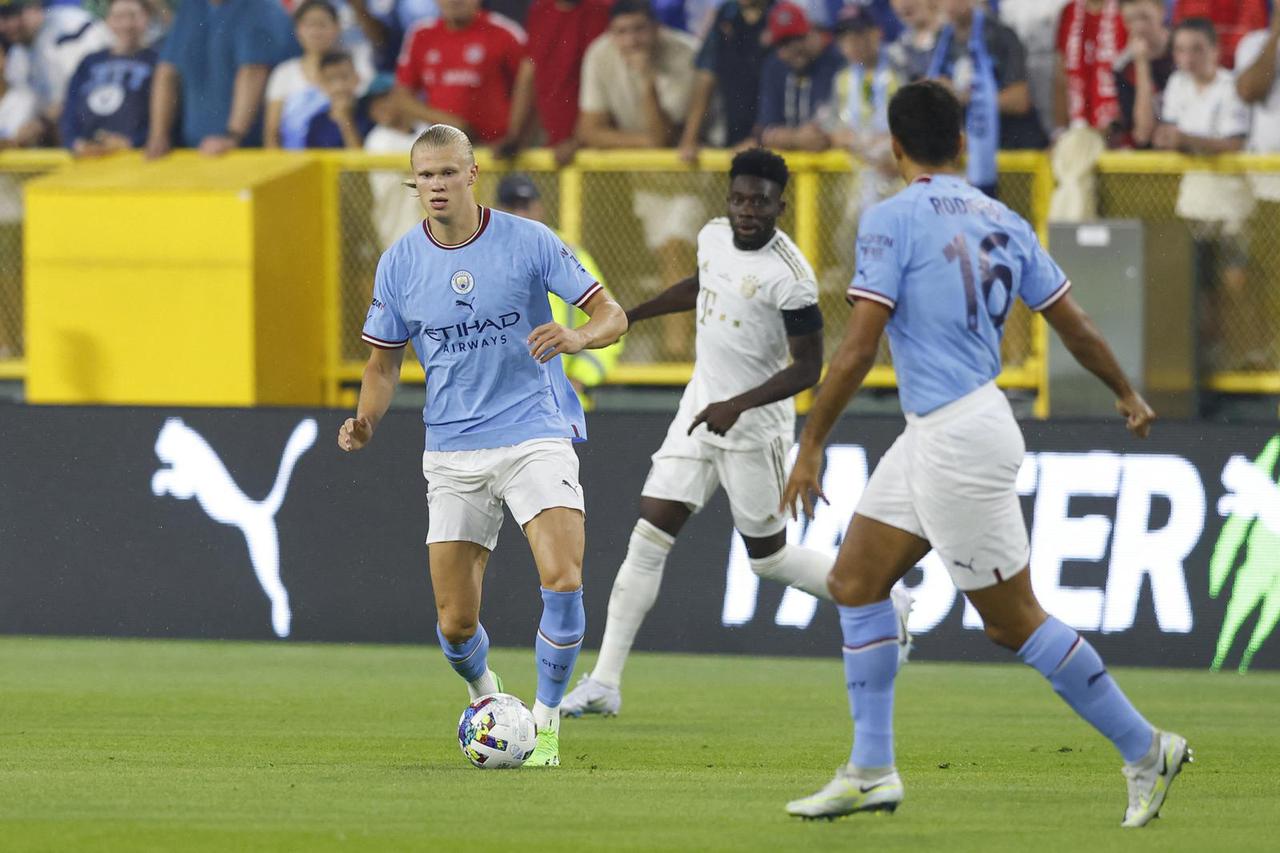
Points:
(760, 163)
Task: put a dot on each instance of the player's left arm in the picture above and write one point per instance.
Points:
(1086, 344)
(849, 367)
(607, 322)
(804, 339)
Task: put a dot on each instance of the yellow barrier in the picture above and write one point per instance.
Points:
(594, 203)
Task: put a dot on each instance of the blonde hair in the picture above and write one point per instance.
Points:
(444, 136)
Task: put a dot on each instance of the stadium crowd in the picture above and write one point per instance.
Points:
(1191, 75)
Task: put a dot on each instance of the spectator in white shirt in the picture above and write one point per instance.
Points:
(1203, 115)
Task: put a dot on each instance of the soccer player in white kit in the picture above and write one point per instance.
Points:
(469, 287)
(759, 343)
(939, 265)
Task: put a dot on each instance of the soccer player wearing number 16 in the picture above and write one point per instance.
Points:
(940, 264)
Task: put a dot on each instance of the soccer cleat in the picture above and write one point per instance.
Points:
(850, 792)
(902, 601)
(547, 752)
(1149, 780)
(591, 697)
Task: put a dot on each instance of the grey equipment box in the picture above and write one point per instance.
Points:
(1137, 282)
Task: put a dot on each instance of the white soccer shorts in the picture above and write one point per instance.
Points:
(951, 478)
(467, 488)
(688, 470)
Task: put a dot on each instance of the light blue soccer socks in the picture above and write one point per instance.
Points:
(469, 659)
(1078, 675)
(564, 621)
(870, 665)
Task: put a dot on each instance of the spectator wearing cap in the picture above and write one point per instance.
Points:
(469, 69)
(986, 65)
(560, 31)
(825, 14)
(213, 72)
(108, 102)
(912, 51)
(393, 209)
(728, 63)
(519, 195)
(797, 81)
(47, 45)
(637, 80)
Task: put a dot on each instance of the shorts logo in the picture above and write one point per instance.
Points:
(462, 282)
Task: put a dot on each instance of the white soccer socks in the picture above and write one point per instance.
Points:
(635, 589)
(803, 568)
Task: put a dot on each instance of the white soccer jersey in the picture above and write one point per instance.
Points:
(741, 340)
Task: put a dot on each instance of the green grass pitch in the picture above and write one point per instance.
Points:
(158, 745)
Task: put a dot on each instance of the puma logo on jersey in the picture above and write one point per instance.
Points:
(195, 471)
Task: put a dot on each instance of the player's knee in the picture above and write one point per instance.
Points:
(563, 579)
(457, 628)
(851, 591)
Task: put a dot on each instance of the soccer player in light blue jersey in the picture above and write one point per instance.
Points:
(940, 265)
(469, 288)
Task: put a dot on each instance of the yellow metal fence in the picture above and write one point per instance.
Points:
(638, 213)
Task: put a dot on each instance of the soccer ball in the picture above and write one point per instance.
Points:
(497, 731)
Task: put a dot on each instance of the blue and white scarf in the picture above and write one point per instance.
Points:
(982, 117)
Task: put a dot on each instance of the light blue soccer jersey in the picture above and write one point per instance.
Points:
(949, 262)
(469, 310)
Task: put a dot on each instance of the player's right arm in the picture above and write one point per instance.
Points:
(384, 331)
(1086, 344)
(377, 388)
(679, 297)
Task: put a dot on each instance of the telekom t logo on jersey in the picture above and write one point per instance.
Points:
(1057, 537)
(195, 471)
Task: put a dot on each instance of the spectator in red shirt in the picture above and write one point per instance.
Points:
(1091, 36)
(1233, 19)
(559, 34)
(472, 71)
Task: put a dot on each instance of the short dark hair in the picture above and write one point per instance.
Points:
(926, 119)
(760, 163)
(307, 5)
(1204, 26)
(335, 57)
(632, 7)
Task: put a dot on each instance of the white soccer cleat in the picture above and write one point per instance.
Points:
(1150, 779)
(902, 600)
(850, 792)
(591, 697)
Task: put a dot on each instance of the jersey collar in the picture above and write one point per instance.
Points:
(484, 223)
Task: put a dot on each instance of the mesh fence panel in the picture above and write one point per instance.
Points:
(641, 227)
(11, 336)
(1226, 226)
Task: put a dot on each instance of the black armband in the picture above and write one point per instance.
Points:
(802, 321)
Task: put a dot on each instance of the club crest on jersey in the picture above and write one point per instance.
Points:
(749, 285)
(462, 282)
(473, 54)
